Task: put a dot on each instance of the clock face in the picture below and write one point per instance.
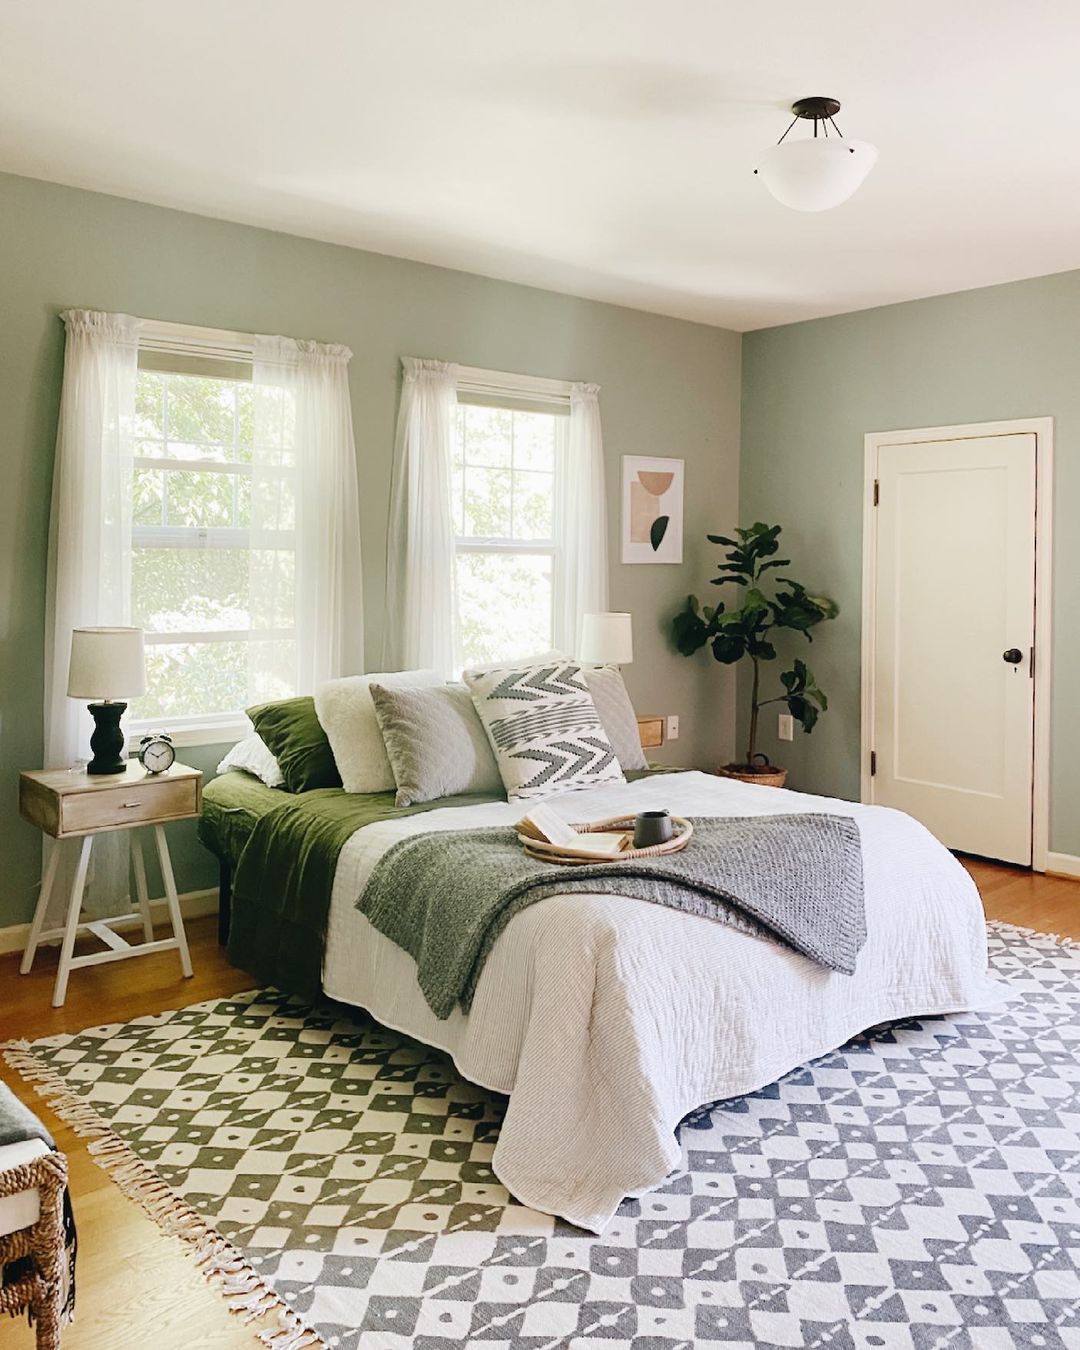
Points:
(158, 756)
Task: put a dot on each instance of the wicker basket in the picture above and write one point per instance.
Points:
(42, 1287)
(536, 847)
(764, 775)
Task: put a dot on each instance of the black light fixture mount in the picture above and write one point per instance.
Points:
(815, 110)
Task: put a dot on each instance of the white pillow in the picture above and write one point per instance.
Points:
(347, 713)
(253, 757)
(544, 728)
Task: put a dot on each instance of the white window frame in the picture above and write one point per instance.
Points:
(224, 355)
(525, 393)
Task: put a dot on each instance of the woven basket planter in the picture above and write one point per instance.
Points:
(764, 775)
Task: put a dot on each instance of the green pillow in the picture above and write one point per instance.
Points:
(294, 736)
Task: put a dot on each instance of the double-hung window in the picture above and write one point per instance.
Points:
(206, 492)
(508, 452)
(191, 573)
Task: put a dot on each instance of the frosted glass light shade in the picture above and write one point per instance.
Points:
(816, 174)
(607, 639)
(107, 663)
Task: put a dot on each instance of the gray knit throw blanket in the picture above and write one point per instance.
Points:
(444, 897)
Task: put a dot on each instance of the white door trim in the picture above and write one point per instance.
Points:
(1043, 430)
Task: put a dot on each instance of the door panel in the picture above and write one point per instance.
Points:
(955, 589)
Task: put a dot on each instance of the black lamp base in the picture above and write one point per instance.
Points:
(107, 741)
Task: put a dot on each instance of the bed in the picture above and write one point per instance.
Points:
(606, 1020)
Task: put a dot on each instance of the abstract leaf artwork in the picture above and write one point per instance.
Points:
(652, 529)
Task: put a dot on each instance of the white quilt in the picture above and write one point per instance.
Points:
(607, 1020)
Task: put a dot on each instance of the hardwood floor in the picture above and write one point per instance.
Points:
(1048, 904)
(138, 1287)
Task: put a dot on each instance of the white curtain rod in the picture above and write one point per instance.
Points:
(194, 341)
(498, 384)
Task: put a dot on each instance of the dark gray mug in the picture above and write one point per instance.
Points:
(652, 827)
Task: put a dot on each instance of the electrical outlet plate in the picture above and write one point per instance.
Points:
(671, 729)
(785, 727)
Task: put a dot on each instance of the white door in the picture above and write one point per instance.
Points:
(954, 619)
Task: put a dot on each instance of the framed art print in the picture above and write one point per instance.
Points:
(652, 513)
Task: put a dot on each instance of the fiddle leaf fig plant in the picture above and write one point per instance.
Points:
(746, 629)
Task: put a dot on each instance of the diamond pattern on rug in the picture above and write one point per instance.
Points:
(918, 1188)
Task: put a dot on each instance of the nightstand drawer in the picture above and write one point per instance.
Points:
(109, 808)
(651, 732)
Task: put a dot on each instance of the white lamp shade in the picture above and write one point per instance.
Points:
(107, 663)
(607, 639)
(816, 174)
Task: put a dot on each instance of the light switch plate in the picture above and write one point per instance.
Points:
(785, 727)
(671, 729)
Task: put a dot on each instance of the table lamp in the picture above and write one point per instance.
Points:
(606, 639)
(107, 664)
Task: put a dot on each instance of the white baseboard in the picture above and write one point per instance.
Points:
(193, 905)
(1063, 864)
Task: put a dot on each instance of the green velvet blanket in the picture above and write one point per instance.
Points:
(283, 850)
(284, 877)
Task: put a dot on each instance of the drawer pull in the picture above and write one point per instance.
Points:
(128, 805)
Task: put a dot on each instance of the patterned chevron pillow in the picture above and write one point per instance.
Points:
(544, 728)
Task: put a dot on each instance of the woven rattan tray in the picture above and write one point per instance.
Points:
(536, 847)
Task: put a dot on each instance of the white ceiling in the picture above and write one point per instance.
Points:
(599, 147)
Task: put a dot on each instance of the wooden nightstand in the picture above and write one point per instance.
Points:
(651, 731)
(70, 804)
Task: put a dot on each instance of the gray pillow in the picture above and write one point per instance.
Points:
(435, 743)
(617, 714)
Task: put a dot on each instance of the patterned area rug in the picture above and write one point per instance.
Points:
(918, 1188)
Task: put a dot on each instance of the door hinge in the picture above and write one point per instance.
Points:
(1031, 665)
(877, 491)
(873, 763)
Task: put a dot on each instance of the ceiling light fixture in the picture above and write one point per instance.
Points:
(819, 173)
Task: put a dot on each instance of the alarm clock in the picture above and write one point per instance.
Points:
(156, 753)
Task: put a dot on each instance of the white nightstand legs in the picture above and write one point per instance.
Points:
(42, 906)
(116, 947)
(71, 925)
(139, 868)
(172, 899)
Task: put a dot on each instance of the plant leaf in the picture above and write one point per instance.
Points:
(688, 629)
(728, 648)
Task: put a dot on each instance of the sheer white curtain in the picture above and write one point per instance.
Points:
(89, 563)
(305, 570)
(420, 610)
(581, 576)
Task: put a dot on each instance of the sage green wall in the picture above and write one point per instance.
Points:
(668, 388)
(810, 393)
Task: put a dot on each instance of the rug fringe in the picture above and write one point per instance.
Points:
(291, 1335)
(1017, 930)
(244, 1291)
